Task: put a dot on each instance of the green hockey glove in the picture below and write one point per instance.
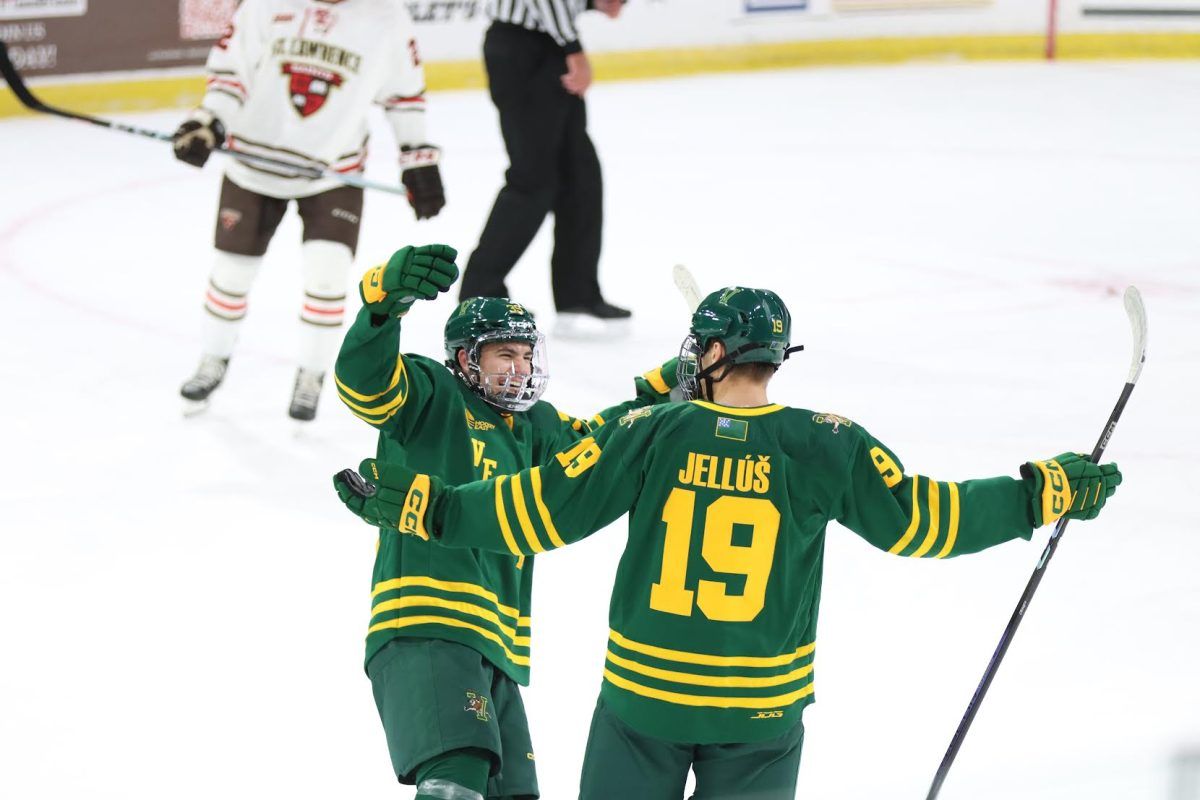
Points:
(1069, 486)
(388, 495)
(660, 381)
(411, 274)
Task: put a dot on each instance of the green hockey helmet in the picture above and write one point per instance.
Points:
(754, 325)
(483, 320)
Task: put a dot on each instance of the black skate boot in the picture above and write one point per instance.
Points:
(306, 394)
(208, 377)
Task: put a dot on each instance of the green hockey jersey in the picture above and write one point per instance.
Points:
(714, 607)
(431, 421)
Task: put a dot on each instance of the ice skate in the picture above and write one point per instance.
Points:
(197, 389)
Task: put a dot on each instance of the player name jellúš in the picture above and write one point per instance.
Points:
(731, 474)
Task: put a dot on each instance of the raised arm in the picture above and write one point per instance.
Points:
(373, 379)
(916, 516)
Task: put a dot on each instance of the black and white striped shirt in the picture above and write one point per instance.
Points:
(553, 17)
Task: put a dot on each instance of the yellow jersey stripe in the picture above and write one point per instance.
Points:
(655, 379)
(706, 659)
(914, 523)
(367, 419)
(366, 398)
(518, 494)
(380, 410)
(935, 497)
(420, 600)
(429, 619)
(450, 586)
(678, 698)
(502, 518)
(756, 411)
(599, 420)
(535, 480)
(709, 680)
(952, 533)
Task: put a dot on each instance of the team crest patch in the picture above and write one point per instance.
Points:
(229, 217)
(736, 429)
(478, 704)
(633, 416)
(309, 86)
(833, 419)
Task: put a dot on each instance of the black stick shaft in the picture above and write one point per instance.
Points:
(1019, 614)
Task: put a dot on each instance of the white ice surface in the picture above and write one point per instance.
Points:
(183, 601)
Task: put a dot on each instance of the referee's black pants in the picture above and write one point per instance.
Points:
(553, 168)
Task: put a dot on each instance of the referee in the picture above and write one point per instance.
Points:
(537, 75)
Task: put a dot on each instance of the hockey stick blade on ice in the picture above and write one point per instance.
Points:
(33, 103)
(687, 286)
(1137, 321)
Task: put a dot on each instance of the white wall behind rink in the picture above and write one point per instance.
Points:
(453, 29)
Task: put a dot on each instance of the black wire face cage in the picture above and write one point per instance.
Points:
(510, 391)
(687, 370)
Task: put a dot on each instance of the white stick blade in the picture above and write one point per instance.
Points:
(687, 286)
(1137, 321)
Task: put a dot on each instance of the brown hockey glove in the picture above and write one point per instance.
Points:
(197, 137)
(420, 176)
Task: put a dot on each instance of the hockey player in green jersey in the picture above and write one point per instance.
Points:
(448, 641)
(714, 607)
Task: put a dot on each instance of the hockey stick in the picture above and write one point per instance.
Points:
(687, 286)
(1137, 321)
(30, 101)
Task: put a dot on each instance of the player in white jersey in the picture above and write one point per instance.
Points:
(292, 80)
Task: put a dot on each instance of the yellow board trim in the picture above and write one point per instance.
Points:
(430, 619)
(685, 657)
(693, 679)
(951, 534)
(421, 600)
(655, 379)
(678, 698)
(518, 493)
(449, 586)
(502, 518)
(366, 398)
(913, 524)
(935, 499)
(149, 93)
(535, 480)
(756, 411)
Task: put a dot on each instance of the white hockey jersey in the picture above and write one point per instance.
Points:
(293, 80)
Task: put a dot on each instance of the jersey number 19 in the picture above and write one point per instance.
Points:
(753, 560)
